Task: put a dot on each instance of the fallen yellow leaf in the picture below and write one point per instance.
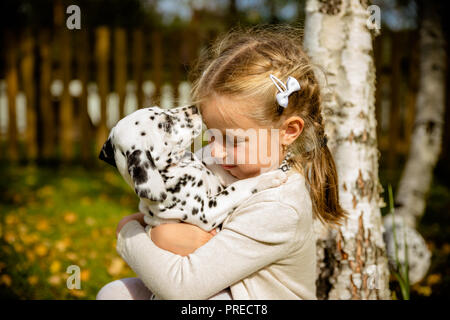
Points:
(54, 280)
(62, 245)
(30, 256)
(423, 290)
(11, 219)
(84, 276)
(90, 221)
(9, 237)
(41, 250)
(6, 280)
(116, 266)
(33, 280)
(71, 256)
(70, 217)
(433, 279)
(55, 266)
(42, 225)
(77, 293)
(446, 248)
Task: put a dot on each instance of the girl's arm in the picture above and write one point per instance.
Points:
(255, 237)
(180, 238)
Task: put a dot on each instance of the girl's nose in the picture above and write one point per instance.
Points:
(218, 151)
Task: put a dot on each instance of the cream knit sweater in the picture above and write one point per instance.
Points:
(266, 249)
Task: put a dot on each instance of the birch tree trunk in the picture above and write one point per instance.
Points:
(352, 262)
(426, 143)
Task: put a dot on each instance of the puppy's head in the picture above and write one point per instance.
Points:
(147, 141)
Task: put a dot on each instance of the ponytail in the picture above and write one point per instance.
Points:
(324, 188)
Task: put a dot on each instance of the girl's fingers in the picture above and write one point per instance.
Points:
(213, 232)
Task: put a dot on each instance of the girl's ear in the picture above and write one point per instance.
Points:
(293, 127)
(148, 182)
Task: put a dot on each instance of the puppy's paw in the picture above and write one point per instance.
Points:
(280, 177)
(272, 179)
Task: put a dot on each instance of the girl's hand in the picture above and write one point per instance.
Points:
(138, 216)
(180, 238)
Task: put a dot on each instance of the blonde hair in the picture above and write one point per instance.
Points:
(238, 64)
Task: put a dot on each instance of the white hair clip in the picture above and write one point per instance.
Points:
(291, 86)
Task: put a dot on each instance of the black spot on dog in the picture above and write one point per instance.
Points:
(138, 173)
(185, 217)
(133, 147)
(163, 195)
(183, 202)
(150, 212)
(152, 118)
(194, 211)
(142, 133)
(233, 188)
(136, 123)
(254, 191)
(199, 183)
(150, 159)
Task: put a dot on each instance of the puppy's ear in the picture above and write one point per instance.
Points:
(107, 153)
(148, 182)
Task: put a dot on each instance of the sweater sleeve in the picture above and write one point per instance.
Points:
(255, 237)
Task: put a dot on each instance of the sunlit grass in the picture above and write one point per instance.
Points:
(53, 218)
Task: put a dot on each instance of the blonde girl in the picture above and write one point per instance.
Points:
(266, 248)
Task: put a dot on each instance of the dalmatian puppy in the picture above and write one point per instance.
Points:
(148, 147)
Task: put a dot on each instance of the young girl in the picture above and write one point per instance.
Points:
(266, 248)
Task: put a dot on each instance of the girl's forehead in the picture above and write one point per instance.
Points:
(224, 113)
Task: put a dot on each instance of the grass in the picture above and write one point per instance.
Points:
(54, 218)
(434, 226)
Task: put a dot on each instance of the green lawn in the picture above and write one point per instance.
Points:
(53, 218)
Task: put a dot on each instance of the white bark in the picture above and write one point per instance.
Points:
(426, 138)
(426, 142)
(352, 261)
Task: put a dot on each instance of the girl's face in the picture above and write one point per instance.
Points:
(244, 153)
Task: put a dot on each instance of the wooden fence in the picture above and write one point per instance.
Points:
(41, 68)
(59, 125)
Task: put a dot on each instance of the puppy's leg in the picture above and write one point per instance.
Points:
(223, 203)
